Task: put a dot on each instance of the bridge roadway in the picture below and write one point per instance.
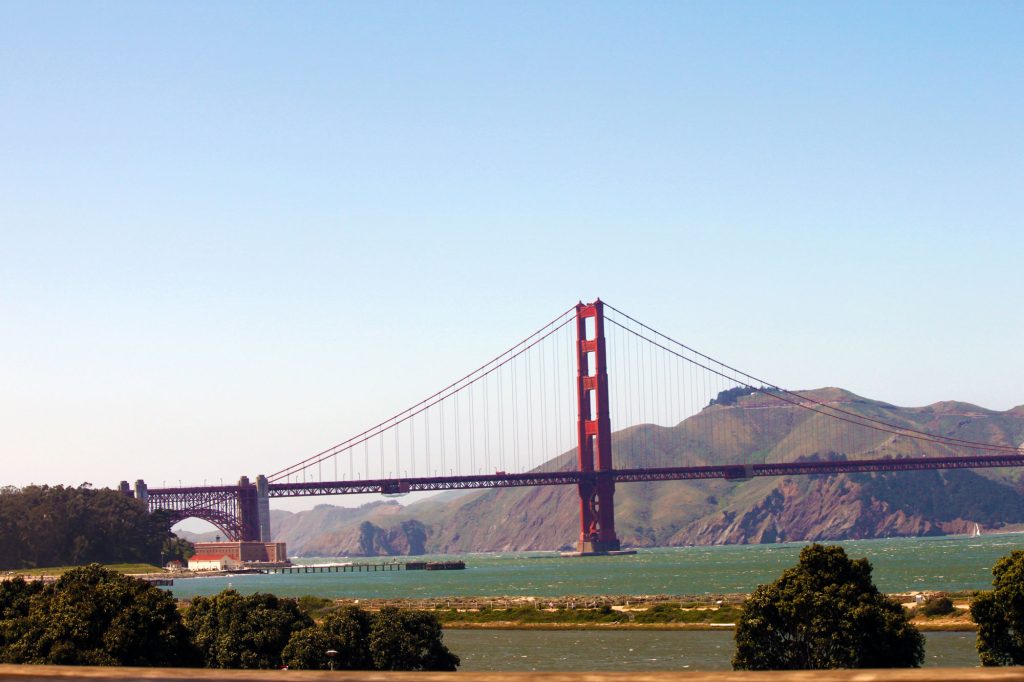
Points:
(505, 480)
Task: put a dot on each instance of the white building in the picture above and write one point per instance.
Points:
(212, 562)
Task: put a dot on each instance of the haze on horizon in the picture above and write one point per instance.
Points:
(233, 238)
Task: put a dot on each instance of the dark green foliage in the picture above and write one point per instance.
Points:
(92, 616)
(408, 640)
(15, 599)
(531, 614)
(999, 614)
(731, 395)
(177, 548)
(824, 613)
(389, 640)
(236, 631)
(945, 495)
(307, 650)
(57, 526)
(936, 606)
(314, 606)
(670, 613)
(346, 631)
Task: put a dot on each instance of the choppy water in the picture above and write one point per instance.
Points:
(639, 650)
(900, 564)
(903, 564)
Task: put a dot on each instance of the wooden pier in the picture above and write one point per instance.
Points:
(370, 567)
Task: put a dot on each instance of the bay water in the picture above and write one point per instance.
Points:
(952, 563)
(640, 650)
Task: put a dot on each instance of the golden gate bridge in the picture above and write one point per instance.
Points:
(544, 411)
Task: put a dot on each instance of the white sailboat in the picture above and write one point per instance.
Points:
(976, 532)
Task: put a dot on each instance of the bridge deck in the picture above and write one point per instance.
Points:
(726, 471)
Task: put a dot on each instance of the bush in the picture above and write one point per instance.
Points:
(936, 605)
(999, 614)
(314, 606)
(824, 613)
(92, 616)
(409, 640)
(345, 631)
(235, 631)
(389, 640)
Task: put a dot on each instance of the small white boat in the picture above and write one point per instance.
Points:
(976, 532)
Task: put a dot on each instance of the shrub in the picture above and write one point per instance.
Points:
(235, 631)
(824, 613)
(936, 605)
(999, 614)
(92, 616)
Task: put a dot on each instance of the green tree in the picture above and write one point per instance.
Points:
(409, 640)
(823, 613)
(999, 614)
(346, 631)
(177, 548)
(236, 631)
(15, 599)
(92, 616)
(60, 526)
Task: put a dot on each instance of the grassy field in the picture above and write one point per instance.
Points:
(603, 616)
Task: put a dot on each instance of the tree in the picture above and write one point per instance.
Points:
(236, 631)
(61, 526)
(175, 548)
(15, 599)
(823, 613)
(409, 640)
(345, 631)
(93, 616)
(999, 614)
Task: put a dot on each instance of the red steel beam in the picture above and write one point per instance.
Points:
(726, 471)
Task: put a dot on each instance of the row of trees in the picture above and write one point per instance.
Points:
(826, 612)
(64, 526)
(93, 616)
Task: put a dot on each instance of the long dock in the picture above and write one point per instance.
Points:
(351, 567)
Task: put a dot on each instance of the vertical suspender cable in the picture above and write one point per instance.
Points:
(545, 452)
(458, 438)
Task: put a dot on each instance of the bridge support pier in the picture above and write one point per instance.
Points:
(248, 509)
(263, 507)
(597, 508)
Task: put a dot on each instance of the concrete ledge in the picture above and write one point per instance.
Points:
(22, 673)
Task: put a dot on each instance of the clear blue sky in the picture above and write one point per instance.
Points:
(233, 234)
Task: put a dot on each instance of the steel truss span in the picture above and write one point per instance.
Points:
(726, 471)
(218, 505)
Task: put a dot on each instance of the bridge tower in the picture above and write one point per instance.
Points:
(597, 509)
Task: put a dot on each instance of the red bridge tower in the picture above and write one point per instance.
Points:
(597, 509)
